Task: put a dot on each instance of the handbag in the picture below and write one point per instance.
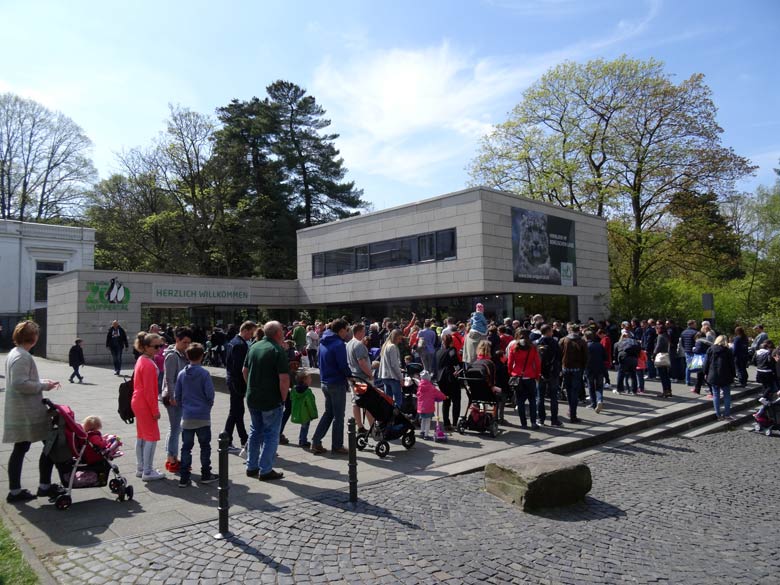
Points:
(697, 363)
(662, 360)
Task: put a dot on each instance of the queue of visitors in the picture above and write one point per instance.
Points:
(530, 365)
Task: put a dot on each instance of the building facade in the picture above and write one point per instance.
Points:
(437, 257)
(30, 253)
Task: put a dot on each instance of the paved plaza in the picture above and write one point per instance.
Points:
(675, 511)
(414, 522)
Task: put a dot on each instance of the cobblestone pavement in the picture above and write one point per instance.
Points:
(675, 511)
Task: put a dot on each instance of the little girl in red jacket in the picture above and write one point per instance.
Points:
(427, 396)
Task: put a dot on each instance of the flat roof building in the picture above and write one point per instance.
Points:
(437, 257)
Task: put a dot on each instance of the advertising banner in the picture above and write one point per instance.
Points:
(543, 248)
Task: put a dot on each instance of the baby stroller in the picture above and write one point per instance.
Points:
(84, 459)
(389, 422)
(481, 396)
(767, 418)
(409, 390)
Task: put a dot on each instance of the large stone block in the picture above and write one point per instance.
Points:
(538, 480)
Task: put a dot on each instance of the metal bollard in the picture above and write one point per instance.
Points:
(223, 489)
(352, 437)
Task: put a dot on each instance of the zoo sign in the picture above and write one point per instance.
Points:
(107, 296)
(543, 248)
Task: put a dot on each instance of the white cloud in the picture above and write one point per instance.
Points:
(404, 113)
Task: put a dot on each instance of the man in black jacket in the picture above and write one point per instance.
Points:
(688, 340)
(116, 342)
(550, 352)
(235, 354)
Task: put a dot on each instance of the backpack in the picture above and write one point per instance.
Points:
(125, 401)
(632, 349)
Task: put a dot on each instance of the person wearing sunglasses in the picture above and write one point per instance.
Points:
(145, 405)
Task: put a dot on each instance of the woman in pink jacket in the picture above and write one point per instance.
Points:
(145, 405)
(427, 396)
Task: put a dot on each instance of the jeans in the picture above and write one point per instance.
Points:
(187, 442)
(666, 382)
(235, 417)
(335, 405)
(172, 442)
(547, 388)
(428, 361)
(596, 389)
(740, 364)
(144, 454)
(726, 400)
(393, 389)
(640, 380)
(688, 358)
(312, 355)
(454, 402)
(116, 355)
(626, 381)
(76, 374)
(16, 460)
(303, 436)
(263, 438)
(651, 372)
(572, 381)
(287, 412)
(526, 390)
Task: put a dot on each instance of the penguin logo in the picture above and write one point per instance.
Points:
(110, 294)
(120, 292)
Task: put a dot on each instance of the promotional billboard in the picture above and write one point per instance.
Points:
(543, 248)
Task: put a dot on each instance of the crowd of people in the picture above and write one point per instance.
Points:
(530, 365)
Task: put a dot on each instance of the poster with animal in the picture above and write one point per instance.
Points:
(543, 248)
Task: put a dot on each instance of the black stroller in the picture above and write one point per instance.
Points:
(767, 418)
(481, 397)
(409, 390)
(389, 422)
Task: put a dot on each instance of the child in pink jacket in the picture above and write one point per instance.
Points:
(427, 396)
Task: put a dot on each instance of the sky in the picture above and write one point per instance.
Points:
(410, 86)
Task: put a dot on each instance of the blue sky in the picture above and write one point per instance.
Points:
(410, 85)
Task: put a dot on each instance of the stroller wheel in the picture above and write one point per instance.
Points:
(63, 502)
(129, 492)
(408, 440)
(494, 429)
(120, 497)
(768, 432)
(460, 427)
(361, 441)
(114, 485)
(382, 449)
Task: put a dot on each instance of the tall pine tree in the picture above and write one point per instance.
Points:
(315, 172)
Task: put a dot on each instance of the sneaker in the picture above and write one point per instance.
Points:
(153, 475)
(345, 451)
(535, 427)
(575, 420)
(305, 444)
(271, 475)
(731, 417)
(764, 401)
(709, 396)
(692, 390)
(242, 453)
(607, 386)
(209, 478)
(52, 491)
(647, 377)
(599, 407)
(556, 423)
(283, 440)
(139, 473)
(252, 472)
(590, 406)
(318, 449)
(615, 391)
(22, 496)
(233, 450)
(185, 483)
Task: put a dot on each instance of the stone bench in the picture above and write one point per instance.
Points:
(538, 480)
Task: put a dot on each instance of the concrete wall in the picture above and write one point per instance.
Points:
(482, 219)
(22, 244)
(77, 305)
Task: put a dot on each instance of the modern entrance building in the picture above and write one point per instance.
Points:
(436, 257)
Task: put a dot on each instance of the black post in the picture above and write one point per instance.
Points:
(352, 436)
(224, 488)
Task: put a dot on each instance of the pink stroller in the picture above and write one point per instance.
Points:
(84, 459)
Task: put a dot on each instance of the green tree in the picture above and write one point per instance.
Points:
(619, 139)
(315, 172)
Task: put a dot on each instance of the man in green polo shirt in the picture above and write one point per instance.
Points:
(266, 371)
(299, 336)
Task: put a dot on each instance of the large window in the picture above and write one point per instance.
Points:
(428, 247)
(43, 270)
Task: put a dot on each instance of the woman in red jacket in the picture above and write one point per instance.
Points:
(145, 405)
(525, 367)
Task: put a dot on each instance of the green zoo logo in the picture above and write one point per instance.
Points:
(107, 296)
